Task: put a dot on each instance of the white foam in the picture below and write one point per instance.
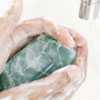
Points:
(6, 98)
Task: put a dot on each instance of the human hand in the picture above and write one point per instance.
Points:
(62, 83)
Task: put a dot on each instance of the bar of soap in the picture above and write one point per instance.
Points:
(38, 59)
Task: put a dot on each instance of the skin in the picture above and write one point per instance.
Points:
(62, 83)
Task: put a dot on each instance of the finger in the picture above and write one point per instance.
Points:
(57, 85)
(80, 63)
(82, 50)
(46, 88)
(28, 29)
(74, 74)
(9, 21)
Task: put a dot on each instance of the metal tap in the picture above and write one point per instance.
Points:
(89, 9)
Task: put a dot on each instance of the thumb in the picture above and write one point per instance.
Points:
(11, 18)
(7, 25)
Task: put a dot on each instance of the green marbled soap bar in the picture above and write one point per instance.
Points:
(36, 60)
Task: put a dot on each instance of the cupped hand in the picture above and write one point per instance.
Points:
(62, 83)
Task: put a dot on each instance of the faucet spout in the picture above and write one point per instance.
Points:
(89, 7)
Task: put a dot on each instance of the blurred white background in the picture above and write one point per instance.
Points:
(66, 12)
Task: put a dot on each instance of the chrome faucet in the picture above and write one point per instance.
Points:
(89, 8)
